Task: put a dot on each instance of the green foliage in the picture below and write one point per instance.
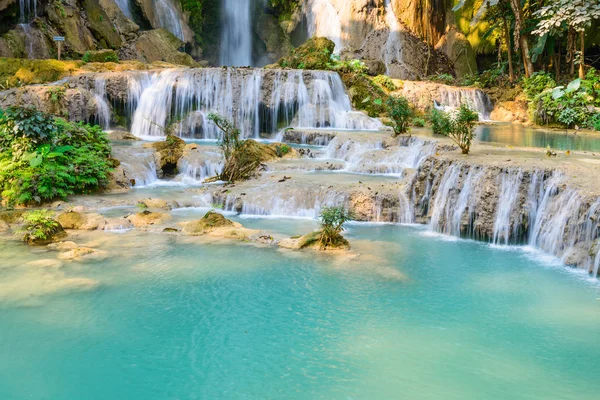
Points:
(42, 158)
(400, 112)
(418, 122)
(332, 226)
(86, 57)
(112, 58)
(39, 226)
(230, 139)
(440, 122)
(493, 77)
(56, 94)
(385, 82)
(314, 54)
(365, 94)
(569, 106)
(446, 79)
(594, 122)
(346, 66)
(458, 126)
(283, 8)
(282, 149)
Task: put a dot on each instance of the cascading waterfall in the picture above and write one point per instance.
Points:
(441, 217)
(169, 17)
(452, 98)
(392, 52)
(256, 100)
(324, 21)
(29, 40)
(194, 168)
(125, 7)
(28, 10)
(465, 204)
(102, 107)
(236, 36)
(507, 202)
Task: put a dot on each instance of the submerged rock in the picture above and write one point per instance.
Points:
(147, 218)
(81, 253)
(63, 246)
(45, 263)
(4, 226)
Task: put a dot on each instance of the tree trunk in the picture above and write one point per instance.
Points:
(511, 74)
(520, 38)
(582, 62)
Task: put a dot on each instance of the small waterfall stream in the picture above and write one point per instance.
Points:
(478, 100)
(259, 101)
(236, 34)
(393, 45)
(28, 10)
(324, 21)
(125, 7)
(169, 17)
(507, 202)
(102, 108)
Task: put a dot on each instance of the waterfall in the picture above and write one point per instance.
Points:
(324, 21)
(478, 100)
(125, 7)
(442, 213)
(371, 157)
(392, 52)
(28, 10)
(465, 204)
(29, 40)
(507, 202)
(197, 166)
(256, 100)
(102, 107)
(169, 17)
(236, 36)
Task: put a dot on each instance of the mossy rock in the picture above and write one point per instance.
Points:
(313, 241)
(314, 54)
(27, 72)
(101, 26)
(365, 94)
(12, 216)
(211, 221)
(157, 45)
(169, 152)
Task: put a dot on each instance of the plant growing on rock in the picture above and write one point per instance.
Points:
(400, 112)
(458, 126)
(39, 227)
(332, 226)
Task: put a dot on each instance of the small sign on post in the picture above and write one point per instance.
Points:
(59, 40)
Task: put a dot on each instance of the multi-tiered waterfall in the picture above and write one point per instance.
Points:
(258, 101)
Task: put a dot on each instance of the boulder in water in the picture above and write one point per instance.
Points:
(147, 218)
(313, 241)
(168, 153)
(80, 221)
(211, 221)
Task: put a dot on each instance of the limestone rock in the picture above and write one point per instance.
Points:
(312, 241)
(119, 134)
(4, 226)
(375, 67)
(158, 203)
(147, 218)
(101, 25)
(82, 253)
(156, 45)
(114, 224)
(510, 111)
(460, 52)
(45, 263)
(211, 221)
(124, 25)
(62, 246)
(80, 221)
(314, 54)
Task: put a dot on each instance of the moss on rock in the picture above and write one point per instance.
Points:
(365, 94)
(211, 221)
(314, 54)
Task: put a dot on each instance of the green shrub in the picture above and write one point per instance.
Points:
(418, 122)
(346, 66)
(332, 226)
(440, 122)
(594, 122)
(86, 57)
(458, 126)
(282, 149)
(400, 112)
(385, 82)
(42, 158)
(112, 58)
(39, 227)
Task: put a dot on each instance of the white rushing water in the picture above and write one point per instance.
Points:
(236, 34)
(392, 51)
(256, 100)
(507, 202)
(478, 100)
(27, 10)
(102, 108)
(125, 7)
(169, 17)
(324, 21)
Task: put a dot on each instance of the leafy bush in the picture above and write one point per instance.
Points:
(346, 66)
(332, 226)
(386, 82)
(458, 126)
(86, 57)
(111, 58)
(282, 150)
(594, 122)
(418, 122)
(39, 227)
(400, 112)
(440, 122)
(42, 158)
